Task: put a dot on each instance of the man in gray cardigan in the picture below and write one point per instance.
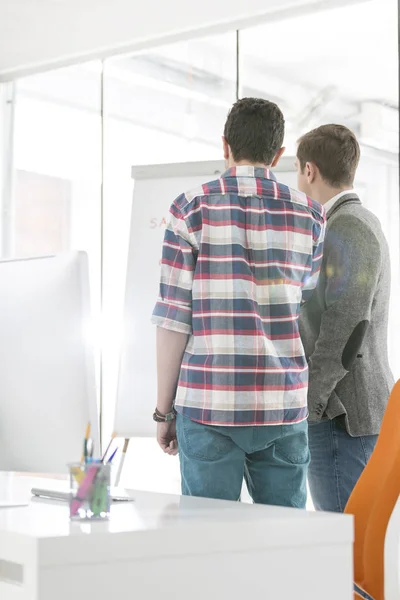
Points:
(344, 324)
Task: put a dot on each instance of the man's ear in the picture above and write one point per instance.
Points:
(311, 172)
(225, 148)
(277, 157)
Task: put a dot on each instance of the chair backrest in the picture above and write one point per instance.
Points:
(373, 500)
(392, 556)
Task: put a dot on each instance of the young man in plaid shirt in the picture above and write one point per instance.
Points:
(239, 256)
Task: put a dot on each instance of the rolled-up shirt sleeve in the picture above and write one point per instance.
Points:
(173, 309)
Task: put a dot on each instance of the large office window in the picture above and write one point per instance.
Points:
(53, 201)
(334, 66)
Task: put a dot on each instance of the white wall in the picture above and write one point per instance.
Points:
(43, 33)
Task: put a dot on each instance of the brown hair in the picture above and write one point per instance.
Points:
(334, 150)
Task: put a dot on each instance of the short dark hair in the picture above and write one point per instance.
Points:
(254, 130)
(334, 149)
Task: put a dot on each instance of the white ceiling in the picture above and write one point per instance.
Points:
(37, 34)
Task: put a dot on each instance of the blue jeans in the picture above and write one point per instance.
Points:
(272, 459)
(337, 461)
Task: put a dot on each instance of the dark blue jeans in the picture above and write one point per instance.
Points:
(272, 459)
(337, 461)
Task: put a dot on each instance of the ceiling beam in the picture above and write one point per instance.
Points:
(35, 37)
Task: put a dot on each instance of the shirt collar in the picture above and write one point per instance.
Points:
(331, 203)
(249, 171)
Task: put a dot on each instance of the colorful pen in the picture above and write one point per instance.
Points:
(108, 447)
(85, 444)
(112, 455)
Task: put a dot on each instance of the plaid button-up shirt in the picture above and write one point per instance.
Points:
(239, 255)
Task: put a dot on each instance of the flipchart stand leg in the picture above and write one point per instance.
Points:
(121, 464)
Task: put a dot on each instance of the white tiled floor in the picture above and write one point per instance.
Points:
(147, 468)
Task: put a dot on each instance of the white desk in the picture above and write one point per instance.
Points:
(171, 547)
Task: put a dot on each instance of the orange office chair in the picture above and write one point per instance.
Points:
(392, 556)
(373, 501)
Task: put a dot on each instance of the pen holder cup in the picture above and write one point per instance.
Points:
(89, 491)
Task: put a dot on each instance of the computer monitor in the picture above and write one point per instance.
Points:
(47, 366)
